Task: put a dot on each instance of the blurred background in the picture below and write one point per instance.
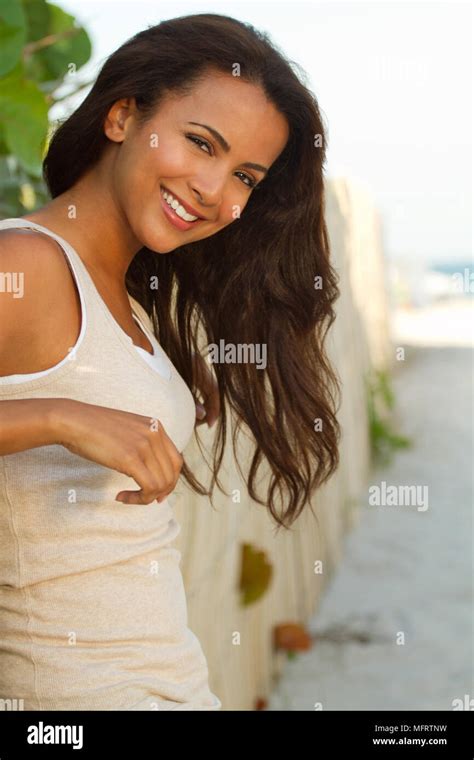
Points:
(369, 606)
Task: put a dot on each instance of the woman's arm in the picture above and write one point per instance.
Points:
(28, 423)
(143, 451)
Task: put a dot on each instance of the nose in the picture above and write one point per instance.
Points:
(208, 195)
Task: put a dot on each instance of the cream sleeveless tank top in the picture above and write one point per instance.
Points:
(92, 602)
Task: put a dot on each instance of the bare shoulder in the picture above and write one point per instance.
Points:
(39, 305)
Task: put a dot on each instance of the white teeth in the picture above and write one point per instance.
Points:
(178, 209)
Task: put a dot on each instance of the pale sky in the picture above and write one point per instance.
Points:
(394, 82)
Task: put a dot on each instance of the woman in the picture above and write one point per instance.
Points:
(187, 200)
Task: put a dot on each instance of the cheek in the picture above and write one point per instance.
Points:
(132, 175)
(150, 156)
(232, 209)
(169, 158)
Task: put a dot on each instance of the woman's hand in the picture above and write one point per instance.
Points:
(132, 444)
(209, 410)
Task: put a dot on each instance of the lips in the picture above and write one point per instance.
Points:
(186, 206)
(173, 218)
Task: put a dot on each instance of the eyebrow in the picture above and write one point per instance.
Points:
(225, 146)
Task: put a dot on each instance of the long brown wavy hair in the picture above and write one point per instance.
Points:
(253, 282)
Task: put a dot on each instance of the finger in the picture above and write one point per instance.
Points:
(213, 408)
(175, 456)
(200, 411)
(201, 414)
(171, 461)
(147, 473)
(209, 390)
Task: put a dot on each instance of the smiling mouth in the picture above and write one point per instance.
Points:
(177, 209)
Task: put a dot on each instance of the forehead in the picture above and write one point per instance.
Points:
(240, 111)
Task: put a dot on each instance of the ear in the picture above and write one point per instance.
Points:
(115, 124)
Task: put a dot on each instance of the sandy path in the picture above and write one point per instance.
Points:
(405, 570)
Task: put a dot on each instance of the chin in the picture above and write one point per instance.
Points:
(170, 250)
(157, 243)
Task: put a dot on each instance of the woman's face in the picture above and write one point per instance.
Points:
(191, 162)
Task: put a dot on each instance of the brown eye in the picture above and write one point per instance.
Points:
(199, 142)
(251, 182)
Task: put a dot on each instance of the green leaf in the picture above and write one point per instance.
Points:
(55, 60)
(12, 34)
(24, 114)
(37, 19)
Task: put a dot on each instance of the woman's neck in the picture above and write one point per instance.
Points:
(87, 218)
